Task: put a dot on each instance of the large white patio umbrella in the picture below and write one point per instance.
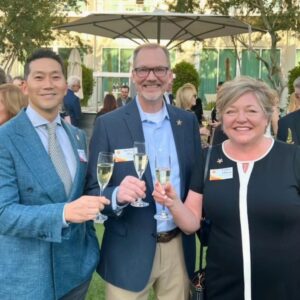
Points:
(75, 69)
(159, 25)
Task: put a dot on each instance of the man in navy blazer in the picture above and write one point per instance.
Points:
(48, 251)
(289, 125)
(72, 102)
(137, 251)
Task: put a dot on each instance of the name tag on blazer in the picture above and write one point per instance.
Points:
(220, 174)
(82, 155)
(123, 155)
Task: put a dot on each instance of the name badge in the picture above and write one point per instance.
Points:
(82, 155)
(221, 174)
(123, 155)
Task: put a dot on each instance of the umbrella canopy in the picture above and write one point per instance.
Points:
(158, 25)
(75, 69)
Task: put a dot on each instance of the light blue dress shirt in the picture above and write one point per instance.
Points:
(39, 123)
(159, 136)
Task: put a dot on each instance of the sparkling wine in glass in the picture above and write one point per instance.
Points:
(140, 160)
(105, 166)
(163, 173)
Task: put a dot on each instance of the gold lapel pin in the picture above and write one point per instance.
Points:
(179, 122)
(220, 160)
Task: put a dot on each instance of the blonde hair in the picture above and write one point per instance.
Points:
(232, 90)
(12, 98)
(294, 104)
(184, 96)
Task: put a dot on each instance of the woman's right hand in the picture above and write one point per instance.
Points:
(165, 195)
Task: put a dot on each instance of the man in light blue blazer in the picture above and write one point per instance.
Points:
(137, 251)
(48, 251)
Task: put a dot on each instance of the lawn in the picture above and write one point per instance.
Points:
(96, 290)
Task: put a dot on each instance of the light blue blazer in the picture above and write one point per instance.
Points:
(39, 259)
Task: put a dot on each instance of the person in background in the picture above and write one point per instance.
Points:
(185, 99)
(289, 125)
(109, 104)
(12, 100)
(48, 250)
(18, 81)
(294, 103)
(124, 96)
(168, 96)
(137, 251)
(214, 118)
(251, 196)
(3, 77)
(217, 134)
(71, 104)
(186, 96)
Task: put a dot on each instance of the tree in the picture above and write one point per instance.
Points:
(26, 26)
(273, 16)
(183, 5)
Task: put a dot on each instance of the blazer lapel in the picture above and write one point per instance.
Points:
(178, 126)
(133, 121)
(36, 158)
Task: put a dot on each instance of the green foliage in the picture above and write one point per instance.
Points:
(185, 73)
(87, 83)
(26, 26)
(293, 74)
(183, 5)
(210, 105)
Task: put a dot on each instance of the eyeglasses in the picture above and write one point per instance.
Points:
(144, 72)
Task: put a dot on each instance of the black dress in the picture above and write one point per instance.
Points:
(254, 243)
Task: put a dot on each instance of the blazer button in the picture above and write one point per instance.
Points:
(30, 190)
(42, 236)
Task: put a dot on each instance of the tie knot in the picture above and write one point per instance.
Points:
(51, 127)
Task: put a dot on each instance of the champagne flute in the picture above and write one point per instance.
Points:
(105, 165)
(140, 160)
(163, 173)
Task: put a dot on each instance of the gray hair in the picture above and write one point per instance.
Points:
(152, 46)
(232, 90)
(73, 80)
(296, 83)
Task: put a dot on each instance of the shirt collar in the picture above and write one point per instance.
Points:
(37, 120)
(153, 117)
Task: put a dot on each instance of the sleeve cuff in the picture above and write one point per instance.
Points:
(116, 208)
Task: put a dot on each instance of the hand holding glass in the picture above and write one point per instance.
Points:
(163, 173)
(140, 160)
(105, 167)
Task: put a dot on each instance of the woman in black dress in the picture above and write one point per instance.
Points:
(251, 195)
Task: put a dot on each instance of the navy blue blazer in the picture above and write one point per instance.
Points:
(39, 259)
(72, 107)
(129, 243)
(290, 121)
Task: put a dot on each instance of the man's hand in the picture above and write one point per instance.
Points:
(84, 209)
(130, 189)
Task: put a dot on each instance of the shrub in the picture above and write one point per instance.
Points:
(185, 73)
(293, 74)
(87, 83)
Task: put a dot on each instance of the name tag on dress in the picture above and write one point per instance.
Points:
(123, 155)
(220, 174)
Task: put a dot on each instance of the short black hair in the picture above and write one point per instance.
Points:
(42, 53)
(125, 86)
